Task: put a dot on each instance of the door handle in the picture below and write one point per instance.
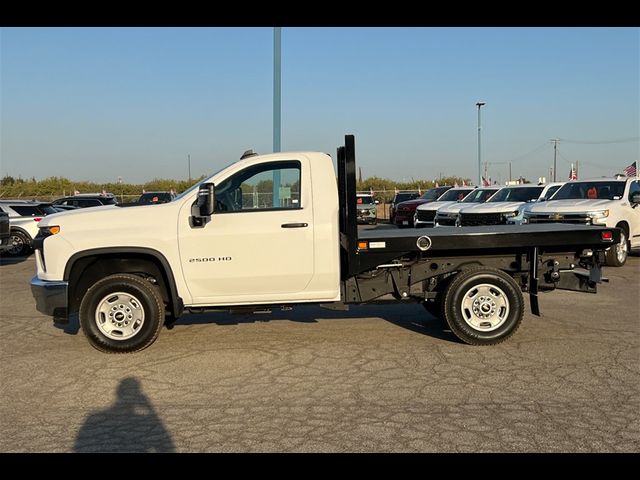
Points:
(294, 225)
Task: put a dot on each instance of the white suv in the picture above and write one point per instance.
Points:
(23, 223)
(425, 215)
(613, 202)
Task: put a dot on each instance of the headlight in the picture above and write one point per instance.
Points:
(511, 214)
(372, 211)
(599, 216)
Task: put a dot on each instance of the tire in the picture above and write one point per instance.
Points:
(488, 290)
(122, 313)
(616, 255)
(20, 244)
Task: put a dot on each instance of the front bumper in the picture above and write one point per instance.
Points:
(50, 296)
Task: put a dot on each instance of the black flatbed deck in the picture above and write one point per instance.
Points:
(447, 239)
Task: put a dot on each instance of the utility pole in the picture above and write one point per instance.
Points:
(189, 161)
(509, 171)
(479, 104)
(555, 155)
(577, 170)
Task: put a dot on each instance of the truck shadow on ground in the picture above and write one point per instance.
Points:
(5, 260)
(411, 317)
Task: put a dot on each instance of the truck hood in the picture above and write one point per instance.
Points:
(413, 203)
(568, 206)
(366, 206)
(112, 217)
(454, 208)
(434, 205)
(494, 207)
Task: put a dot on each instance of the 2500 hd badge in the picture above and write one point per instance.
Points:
(209, 259)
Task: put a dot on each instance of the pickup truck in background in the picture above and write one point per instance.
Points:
(447, 216)
(425, 215)
(505, 207)
(273, 231)
(612, 202)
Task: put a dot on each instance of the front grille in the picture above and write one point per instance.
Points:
(447, 221)
(575, 218)
(474, 219)
(426, 215)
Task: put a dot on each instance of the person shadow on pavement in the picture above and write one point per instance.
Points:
(131, 424)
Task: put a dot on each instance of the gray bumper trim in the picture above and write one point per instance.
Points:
(50, 296)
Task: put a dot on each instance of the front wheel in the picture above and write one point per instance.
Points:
(616, 256)
(122, 313)
(483, 306)
(19, 242)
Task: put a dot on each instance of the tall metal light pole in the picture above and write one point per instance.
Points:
(189, 161)
(277, 86)
(479, 104)
(277, 105)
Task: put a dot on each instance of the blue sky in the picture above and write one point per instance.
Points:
(99, 103)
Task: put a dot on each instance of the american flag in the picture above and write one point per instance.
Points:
(630, 171)
(573, 175)
(485, 182)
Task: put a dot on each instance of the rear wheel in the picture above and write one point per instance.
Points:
(122, 313)
(617, 255)
(483, 306)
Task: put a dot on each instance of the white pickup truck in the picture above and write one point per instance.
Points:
(613, 202)
(271, 231)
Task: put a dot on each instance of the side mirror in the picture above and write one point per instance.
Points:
(203, 207)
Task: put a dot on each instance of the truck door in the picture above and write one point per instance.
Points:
(634, 220)
(258, 246)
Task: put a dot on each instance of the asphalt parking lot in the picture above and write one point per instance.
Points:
(374, 379)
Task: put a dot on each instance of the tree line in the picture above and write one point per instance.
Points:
(55, 187)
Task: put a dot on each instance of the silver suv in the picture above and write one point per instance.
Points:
(24, 216)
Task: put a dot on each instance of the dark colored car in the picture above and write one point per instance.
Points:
(405, 210)
(85, 200)
(4, 231)
(149, 198)
(399, 198)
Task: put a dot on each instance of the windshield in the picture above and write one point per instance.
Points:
(517, 194)
(551, 191)
(480, 195)
(434, 193)
(454, 195)
(195, 186)
(403, 197)
(613, 190)
(364, 199)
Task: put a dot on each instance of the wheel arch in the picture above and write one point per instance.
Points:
(86, 267)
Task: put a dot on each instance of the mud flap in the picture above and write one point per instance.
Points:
(533, 281)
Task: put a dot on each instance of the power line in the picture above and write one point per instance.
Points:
(602, 142)
(520, 157)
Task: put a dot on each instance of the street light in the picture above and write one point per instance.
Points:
(479, 104)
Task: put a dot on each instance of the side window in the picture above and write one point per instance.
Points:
(634, 188)
(268, 186)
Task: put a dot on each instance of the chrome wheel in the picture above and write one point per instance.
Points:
(485, 307)
(119, 316)
(622, 249)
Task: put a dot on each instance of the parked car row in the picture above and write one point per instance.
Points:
(19, 218)
(613, 202)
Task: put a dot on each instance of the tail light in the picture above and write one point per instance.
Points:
(607, 236)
